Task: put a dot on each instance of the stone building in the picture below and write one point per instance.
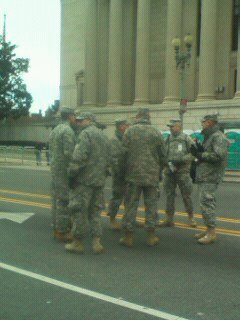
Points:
(118, 54)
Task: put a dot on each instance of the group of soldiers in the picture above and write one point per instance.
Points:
(137, 158)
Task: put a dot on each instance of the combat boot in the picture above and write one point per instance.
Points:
(152, 239)
(191, 221)
(209, 237)
(62, 236)
(115, 225)
(167, 222)
(96, 245)
(127, 239)
(76, 246)
(200, 235)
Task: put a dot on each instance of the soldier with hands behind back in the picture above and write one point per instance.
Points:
(145, 154)
(118, 172)
(61, 146)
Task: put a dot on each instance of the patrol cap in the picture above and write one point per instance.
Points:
(120, 121)
(213, 117)
(173, 122)
(67, 110)
(143, 112)
(86, 115)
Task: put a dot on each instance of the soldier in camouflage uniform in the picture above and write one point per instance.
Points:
(212, 160)
(118, 172)
(61, 146)
(87, 173)
(177, 172)
(145, 154)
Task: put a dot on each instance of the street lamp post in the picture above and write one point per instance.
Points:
(182, 58)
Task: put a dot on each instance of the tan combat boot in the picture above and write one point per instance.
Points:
(62, 236)
(209, 237)
(115, 225)
(152, 239)
(96, 245)
(127, 240)
(168, 222)
(76, 246)
(200, 235)
(191, 221)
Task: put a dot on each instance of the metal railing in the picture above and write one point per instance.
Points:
(23, 155)
(31, 156)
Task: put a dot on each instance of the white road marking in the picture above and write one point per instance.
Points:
(19, 217)
(93, 294)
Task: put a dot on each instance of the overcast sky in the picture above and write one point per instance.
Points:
(34, 26)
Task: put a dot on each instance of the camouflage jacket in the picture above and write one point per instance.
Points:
(118, 153)
(91, 157)
(145, 153)
(214, 158)
(61, 145)
(178, 150)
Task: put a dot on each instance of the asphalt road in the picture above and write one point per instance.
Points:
(178, 279)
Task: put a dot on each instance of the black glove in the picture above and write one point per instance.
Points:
(194, 151)
(72, 183)
(199, 156)
(199, 146)
(176, 162)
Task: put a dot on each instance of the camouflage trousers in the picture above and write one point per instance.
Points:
(86, 203)
(184, 182)
(61, 218)
(118, 192)
(150, 196)
(208, 203)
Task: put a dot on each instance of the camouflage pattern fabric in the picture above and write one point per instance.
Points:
(133, 193)
(145, 155)
(208, 203)
(184, 182)
(178, 151)
(214, 158)
(91, 158)
(86, 203)
(118, 174)
(210, 171)
(61, 146)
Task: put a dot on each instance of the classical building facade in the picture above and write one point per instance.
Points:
(117, 55)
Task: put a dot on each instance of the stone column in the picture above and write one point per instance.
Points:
(102, 62)
(207, 57)
(90, 93)
(190, 22)
(237, 94)
(115, 54)
(129, 48)
(174, 27)
(142, 80)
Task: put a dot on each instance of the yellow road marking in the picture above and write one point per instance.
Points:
(45, 196)
(28, 203)
(139, 219)
(31, 194)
